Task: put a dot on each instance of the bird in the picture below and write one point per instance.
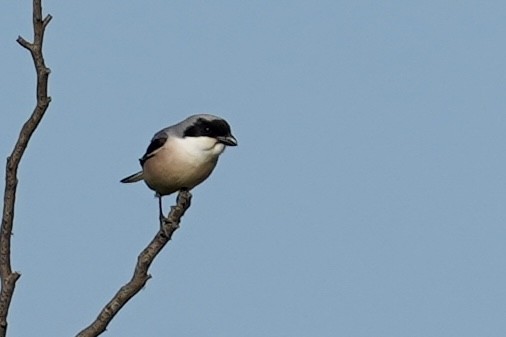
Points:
(183, 155)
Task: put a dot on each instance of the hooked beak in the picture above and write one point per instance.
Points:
(228, 140)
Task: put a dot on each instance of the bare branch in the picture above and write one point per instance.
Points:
(46, 20)
(140, 276)
(24, 43)
(8, 277)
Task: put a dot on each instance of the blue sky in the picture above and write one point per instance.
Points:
(366, 196)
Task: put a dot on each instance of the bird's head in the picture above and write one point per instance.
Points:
(210, 127)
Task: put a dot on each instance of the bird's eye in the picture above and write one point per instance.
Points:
(207, 129)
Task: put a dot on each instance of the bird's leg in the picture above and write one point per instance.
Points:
(163, 219)
(170, 223)
(160, 210)
(186, 200)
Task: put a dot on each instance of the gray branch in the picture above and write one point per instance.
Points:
(7, 276)
(140, 276)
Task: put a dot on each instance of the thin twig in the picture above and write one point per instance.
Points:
(8, 277)
(140, 276)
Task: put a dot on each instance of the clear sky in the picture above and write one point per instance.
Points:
(366, 197)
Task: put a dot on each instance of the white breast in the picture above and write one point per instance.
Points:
(198, 148)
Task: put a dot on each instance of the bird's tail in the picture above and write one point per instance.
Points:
(133, 178)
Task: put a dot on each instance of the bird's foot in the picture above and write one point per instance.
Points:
(169, 224)
(164, 221)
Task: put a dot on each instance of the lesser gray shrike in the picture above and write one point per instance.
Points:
(183, 155)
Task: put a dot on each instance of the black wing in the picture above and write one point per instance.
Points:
(157, 142)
